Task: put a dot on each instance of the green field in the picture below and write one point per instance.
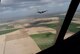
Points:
(6, 27)
(51, 25)
(44, 40)
(73, 27)
(7, 31)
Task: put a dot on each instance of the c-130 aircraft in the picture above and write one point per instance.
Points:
(41, 12)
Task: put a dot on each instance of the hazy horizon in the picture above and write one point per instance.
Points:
(17, 8)
(14, 9)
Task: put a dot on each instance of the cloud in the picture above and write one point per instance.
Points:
(6, 2)
(16, 4)
(46, 1)
(12, 8)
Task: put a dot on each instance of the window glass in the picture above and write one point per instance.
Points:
(30, 26)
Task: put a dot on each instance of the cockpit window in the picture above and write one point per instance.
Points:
(30, 26)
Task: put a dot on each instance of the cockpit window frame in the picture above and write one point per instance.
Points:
(68, 18)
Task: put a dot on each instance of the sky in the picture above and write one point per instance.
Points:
(17, 8)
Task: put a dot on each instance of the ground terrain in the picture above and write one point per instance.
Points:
(29, 36)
